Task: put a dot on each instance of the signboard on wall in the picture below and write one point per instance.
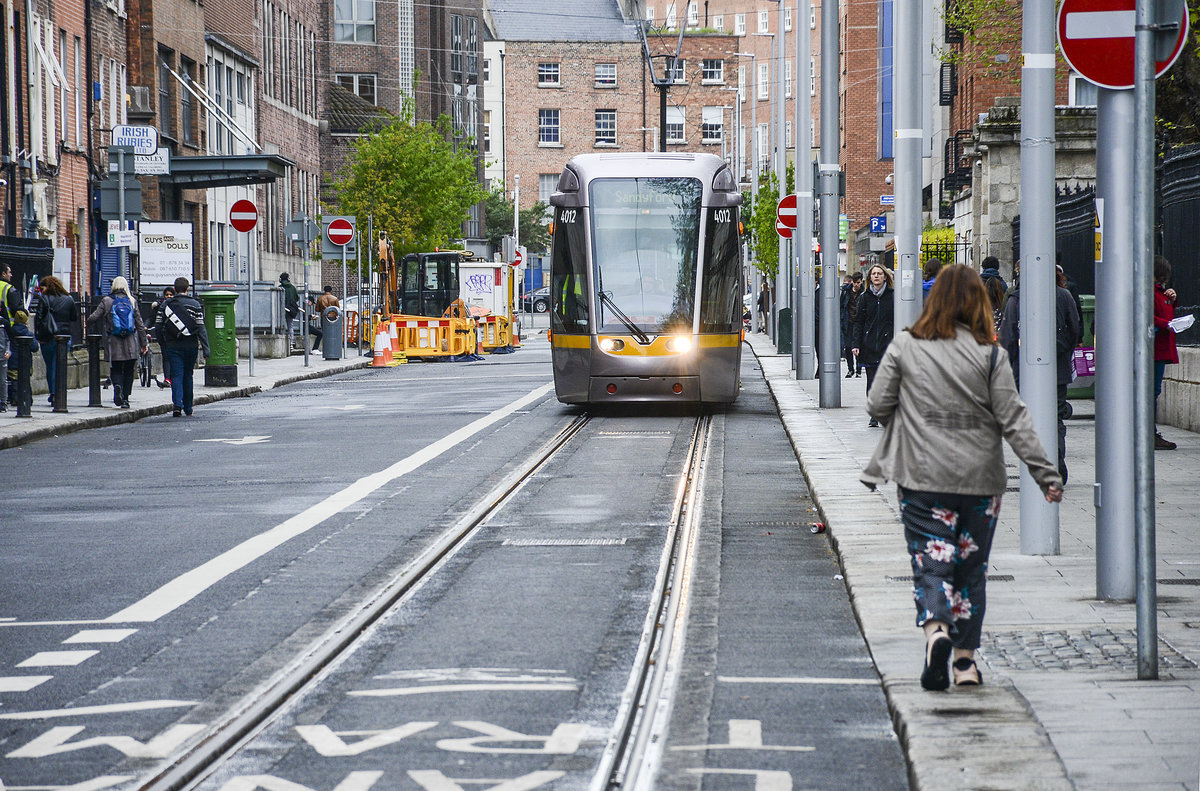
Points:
(166, 252)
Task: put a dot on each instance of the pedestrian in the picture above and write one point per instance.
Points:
(125, 334)
(764, 305)
(948, 463)
(291, 306)
(314, 324)
(1068, 330)
(849, 308)
(326, 300)
(10, 305)
(56, 311)
(1164, 336)
(929, 273)
(995, 291)
(179, 326)
(991, 271)
(873, 323)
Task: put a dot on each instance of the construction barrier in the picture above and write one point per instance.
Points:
(382, 355)
(350, 322)
(494, 332)
(421, 336)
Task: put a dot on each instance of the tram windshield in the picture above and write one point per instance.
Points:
(645, 233)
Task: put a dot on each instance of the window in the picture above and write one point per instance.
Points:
(712, 71)
(64, 88)
(739, 25)
(764, 21)
(787, 78)
(363, 85)
(787, 18)
(547, 184)
(650, 14)
(711, 128)
(718, 21)
(1080, 92)
(241, 88)
(547, 75)
(812, 17)
(606, 127)
(354, 20)
(487, 70)
(693, 14)
(548, 128)
(78, 92)
(676, 70)
(787, 134)
(675, 118)
(812, 77)
(164, 94)
(764, 80)
(606, 75)
(471, 49)
(456, 45)
(187, 113)
(672, 19)
(487, 131)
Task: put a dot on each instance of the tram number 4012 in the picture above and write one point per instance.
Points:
(723, 215)
(568, 216)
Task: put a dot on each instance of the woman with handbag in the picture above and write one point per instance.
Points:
(55, 313)
(946, 395)
(123, 348)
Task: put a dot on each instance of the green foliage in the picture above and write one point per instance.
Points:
(412, 179)
(1178, 91)
(990, 27)
(760, 225)
(533, 224)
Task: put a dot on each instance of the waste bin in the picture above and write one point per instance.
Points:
(331, 325)
(220, 369)
(783, 339)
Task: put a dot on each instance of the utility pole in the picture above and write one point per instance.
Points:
(783, 275)
(830, 190)
(909, 132)
(804, 353)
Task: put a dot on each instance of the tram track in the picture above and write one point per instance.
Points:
(258, 709)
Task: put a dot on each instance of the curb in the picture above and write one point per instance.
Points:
(991, 739)
(115, 418)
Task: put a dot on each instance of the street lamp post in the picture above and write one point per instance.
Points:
(753, 83)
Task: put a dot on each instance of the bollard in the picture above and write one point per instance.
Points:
(24, 358)
(93, 342)
(61, 350)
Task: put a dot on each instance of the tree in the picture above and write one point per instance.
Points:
(1178, 91)
(410, 177)
(764, 239)
(535, 231)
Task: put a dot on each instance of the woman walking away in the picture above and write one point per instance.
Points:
(122, 325)
(873, 323)
(55, 312)
(1165, 351)
(948, 463)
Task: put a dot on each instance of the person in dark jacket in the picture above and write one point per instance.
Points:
(929, 273)
(123, 350)
(873, 323)
(10, 304)
(57, 303)
(291, 306)
(179, 326)
(849, 306)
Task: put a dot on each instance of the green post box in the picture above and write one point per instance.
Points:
(783, 338)
(220, 369)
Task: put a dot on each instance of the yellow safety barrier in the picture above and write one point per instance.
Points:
(421, 336)
(494, 332)
(381, 345)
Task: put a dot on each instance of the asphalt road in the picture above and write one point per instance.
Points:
(152, 575)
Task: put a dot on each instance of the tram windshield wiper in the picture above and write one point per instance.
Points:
(637, 331)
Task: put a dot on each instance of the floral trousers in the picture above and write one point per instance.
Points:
(949, 538)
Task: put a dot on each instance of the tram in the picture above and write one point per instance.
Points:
(646, 280)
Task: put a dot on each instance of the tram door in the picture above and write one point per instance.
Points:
(429, 283)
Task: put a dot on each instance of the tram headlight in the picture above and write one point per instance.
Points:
(680, 344)
(611, 344)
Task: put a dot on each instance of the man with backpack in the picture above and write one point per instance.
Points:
(179, 327)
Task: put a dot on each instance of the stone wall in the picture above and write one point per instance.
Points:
(1179, 404)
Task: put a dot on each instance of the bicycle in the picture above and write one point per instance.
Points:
(146, 370)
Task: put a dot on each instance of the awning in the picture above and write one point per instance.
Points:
(206, 172)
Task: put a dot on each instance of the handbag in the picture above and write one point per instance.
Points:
(48, 327)
(1084, 361)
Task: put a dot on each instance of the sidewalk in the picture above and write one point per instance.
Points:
(146, 401)
(1061, 706)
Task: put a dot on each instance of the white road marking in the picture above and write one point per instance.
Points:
(401, 691)
(89, 711)
(57, 741)
(250, 439)
(191, 584)
(433, 780)
(564, 741)
(95, 784)
(330, 744)
(764, 779)
(744, 735)
(99, 636)
(346, 408)
(21, 683)
(797, 680)
(57, 658)
(355, 781)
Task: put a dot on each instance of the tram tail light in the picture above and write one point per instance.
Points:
(677, 388)
(612, 388)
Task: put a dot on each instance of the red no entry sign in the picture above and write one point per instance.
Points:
(783, 230)
(341, 232)
(785, 212)
(243, 216)
(518, 258)
(1096, 38)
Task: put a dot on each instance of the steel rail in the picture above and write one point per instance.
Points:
(256, 710)
(648, 694)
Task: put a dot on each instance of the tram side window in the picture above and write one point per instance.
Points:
(720, 309)
(568, 273)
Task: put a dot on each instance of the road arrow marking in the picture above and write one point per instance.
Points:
(252, 439)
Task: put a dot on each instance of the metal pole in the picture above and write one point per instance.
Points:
(121, 208)
(783, 279)
(1116, 545)
(362, 301)
(93, 344)
(1143, 334)
(62, 342)
(804, 353)
(250, 293)
(344, 281)
(662, 112)
(907, 50)
(1039, 519)
(830, 187)
(304, 299)
(754, 148)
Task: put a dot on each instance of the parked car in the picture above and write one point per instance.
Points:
(537, 301)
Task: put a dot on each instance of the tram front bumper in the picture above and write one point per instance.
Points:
(617, 389)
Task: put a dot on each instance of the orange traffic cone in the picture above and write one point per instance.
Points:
(382, 358)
